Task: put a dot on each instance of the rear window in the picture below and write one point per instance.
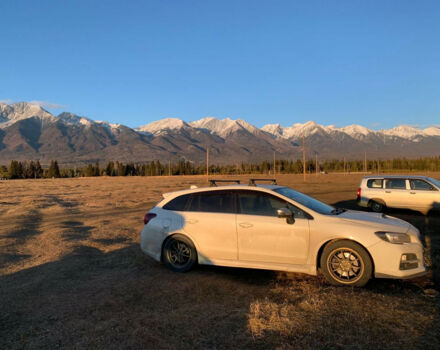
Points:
(178, 203)
(375, 183)
(212, 202)
(397, 184)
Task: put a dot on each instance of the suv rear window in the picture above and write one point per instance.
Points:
(212, 202)
(178, 203)
(375, 183)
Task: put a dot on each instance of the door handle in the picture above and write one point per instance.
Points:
(387, 191)
(192, 221)
(245, 224)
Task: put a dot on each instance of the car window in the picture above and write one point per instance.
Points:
(397, 184)
(375, 183)
(307, 201)
(435, 182)
(212, 202)
(297, 213)
(420, 185)
(178, 203)
(259, 203)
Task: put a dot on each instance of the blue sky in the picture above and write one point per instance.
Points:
(375, 63)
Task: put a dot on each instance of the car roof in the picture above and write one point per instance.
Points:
(262, 188)
(384, 176)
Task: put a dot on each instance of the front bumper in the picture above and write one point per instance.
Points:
(387, 258)
(415, 275)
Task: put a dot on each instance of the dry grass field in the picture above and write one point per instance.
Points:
(72, 276)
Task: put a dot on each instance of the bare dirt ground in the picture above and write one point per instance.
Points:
(72, 276)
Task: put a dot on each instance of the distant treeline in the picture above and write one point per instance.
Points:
(34, 170)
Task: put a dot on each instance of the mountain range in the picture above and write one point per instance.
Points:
(29, 132)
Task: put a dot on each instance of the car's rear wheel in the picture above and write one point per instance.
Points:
(346, 263)
(377, 207)
(179, 253)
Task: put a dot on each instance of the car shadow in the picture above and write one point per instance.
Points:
(123, 299)
(347, 204)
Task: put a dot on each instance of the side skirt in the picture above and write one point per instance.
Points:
(307, 269)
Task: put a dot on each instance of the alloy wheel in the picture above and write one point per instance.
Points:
(179, 253)
(345, 265)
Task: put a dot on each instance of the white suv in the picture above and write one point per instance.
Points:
(419, 193)
(277, 228)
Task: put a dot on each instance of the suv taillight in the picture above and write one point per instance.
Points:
(148, 217)
(359, 193)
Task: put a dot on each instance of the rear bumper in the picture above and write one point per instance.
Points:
(362, 202)
(149, 245)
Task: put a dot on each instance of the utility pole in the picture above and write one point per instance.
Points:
(316, 164)
(274, 164)
(207, 160)
(304, 158)
(365, 162)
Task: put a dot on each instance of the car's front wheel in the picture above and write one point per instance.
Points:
(346, 263)
(179, 253)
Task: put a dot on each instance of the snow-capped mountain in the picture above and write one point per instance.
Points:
(310, 128)
(30, 132)
(409, 132)
(10, 114)
(297, 130)
(224, 127)
(356, 131)
(162, 125)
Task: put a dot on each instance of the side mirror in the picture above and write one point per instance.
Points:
(286, 213)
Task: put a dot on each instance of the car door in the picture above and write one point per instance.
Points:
(397, 193)
(423, 195)
(263, 237)
(210, 219)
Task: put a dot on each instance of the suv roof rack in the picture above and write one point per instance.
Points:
(213, 183)
(252, 181)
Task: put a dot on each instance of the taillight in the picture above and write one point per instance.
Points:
(148, 217)
(359, 192)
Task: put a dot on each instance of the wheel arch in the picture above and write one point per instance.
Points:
(321, 249)
(170, 236)
(378, 200)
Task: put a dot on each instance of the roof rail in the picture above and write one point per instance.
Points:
(252, 181)
(213, 183)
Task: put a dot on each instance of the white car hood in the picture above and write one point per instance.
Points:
(381, 221)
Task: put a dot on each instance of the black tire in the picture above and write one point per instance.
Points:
(179, 253)
(346, 263)
(377, 207)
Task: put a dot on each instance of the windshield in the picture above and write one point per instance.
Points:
(307, 201)
(435, 182)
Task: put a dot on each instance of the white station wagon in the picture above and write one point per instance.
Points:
(420, 193)
(277, 228)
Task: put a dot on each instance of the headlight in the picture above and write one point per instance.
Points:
(394, 237)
